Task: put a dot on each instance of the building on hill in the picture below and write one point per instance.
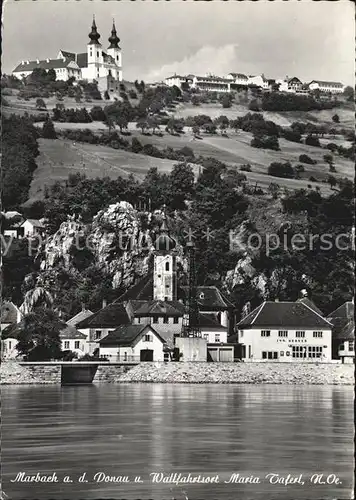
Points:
(285, 331)
(326, 87)
(96, 64)
(64, 68)
(343, 333)
(179, 81)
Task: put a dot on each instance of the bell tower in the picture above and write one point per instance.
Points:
(165, 266)
(114, 51)
(94, 50)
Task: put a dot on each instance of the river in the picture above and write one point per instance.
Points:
(209, 430)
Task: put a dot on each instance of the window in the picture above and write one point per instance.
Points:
(155, 319)
(315, 351)
(351, 345)
(206, 336)
(76, 344)
(165, 319)
(148, 338)
(299, 351)
(265, 333)
(241, 334)
(318, 335)
(300, 335)
(97, 335)
(217, 337)
(269, 355)
(97, 53)
(66, 344)
(9, 344)
(167, 266)
(175, 320)
(283, 333)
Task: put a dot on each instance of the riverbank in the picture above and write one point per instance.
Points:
(12, 373)
(241, 373)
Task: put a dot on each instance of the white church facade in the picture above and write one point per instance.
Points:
(96, 64)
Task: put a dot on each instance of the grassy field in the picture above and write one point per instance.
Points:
(59, 158)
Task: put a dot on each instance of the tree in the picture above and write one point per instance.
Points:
(284, 170)
(38, 336)
(196, 130)
(142, 124)
(182, 185)
(336, 118)
(195, 100)
(51, 75)
(40, 104)
(349, 93)
(312, 141)
(274, 189)
(332, 181)
(226, 101)
(109, 122)
(35, 298)
(329, 159)
(122, 122)
(48, 131)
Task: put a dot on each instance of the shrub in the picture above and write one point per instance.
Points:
(132, 94)
(246, 168)
(265, 142)
(291, 135)
(48, 131)
(284, 170)
(306, 159)
(336, 118)
(312, 141)
(332, 147)
(254, 106)
(136, 146)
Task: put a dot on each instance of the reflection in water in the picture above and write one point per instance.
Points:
(199, 429)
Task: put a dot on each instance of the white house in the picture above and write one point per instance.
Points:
(96, 64)
(238, 78)
(73, 340)
(327, 87)
(285, 332)
(343, 336)
(179, 80)
(64, 68)
(259, 80)
(32, 228)
(133, 343)
(211, 83)
(10, 315)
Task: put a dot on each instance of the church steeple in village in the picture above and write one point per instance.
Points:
(165, 268)
(114, 39)
(94, 35)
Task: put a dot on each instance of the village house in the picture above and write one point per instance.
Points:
(31, 228)
(179, 81)
(238, 79)
(133, 343)
(285, 332)
(211, 83)
(343, 333)
(259, 81)
(10, 315)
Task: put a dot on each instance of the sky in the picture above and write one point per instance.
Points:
(310, 40)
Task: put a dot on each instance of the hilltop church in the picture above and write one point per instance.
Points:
(104, 67)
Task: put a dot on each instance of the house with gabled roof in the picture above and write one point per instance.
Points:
(286, 332)
(343, 333)
(133, 343)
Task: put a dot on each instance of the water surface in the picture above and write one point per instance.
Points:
(212, 430)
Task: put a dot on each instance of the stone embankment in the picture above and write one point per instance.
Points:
(11, 372)
(241, 373)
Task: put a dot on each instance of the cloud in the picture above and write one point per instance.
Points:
(208, 59)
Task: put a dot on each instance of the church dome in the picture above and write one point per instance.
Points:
(114, 39)
(164, 243)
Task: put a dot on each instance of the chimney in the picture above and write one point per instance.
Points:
(104, 304)
(37, 61)
(22, 62)
(83, 306)
(47, 60)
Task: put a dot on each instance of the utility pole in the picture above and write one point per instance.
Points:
(191, 326)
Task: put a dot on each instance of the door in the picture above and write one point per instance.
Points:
(226, 355)
(146, 355)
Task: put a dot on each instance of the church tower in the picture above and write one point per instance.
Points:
(115, 52)
(95, 56)
(165, 266)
